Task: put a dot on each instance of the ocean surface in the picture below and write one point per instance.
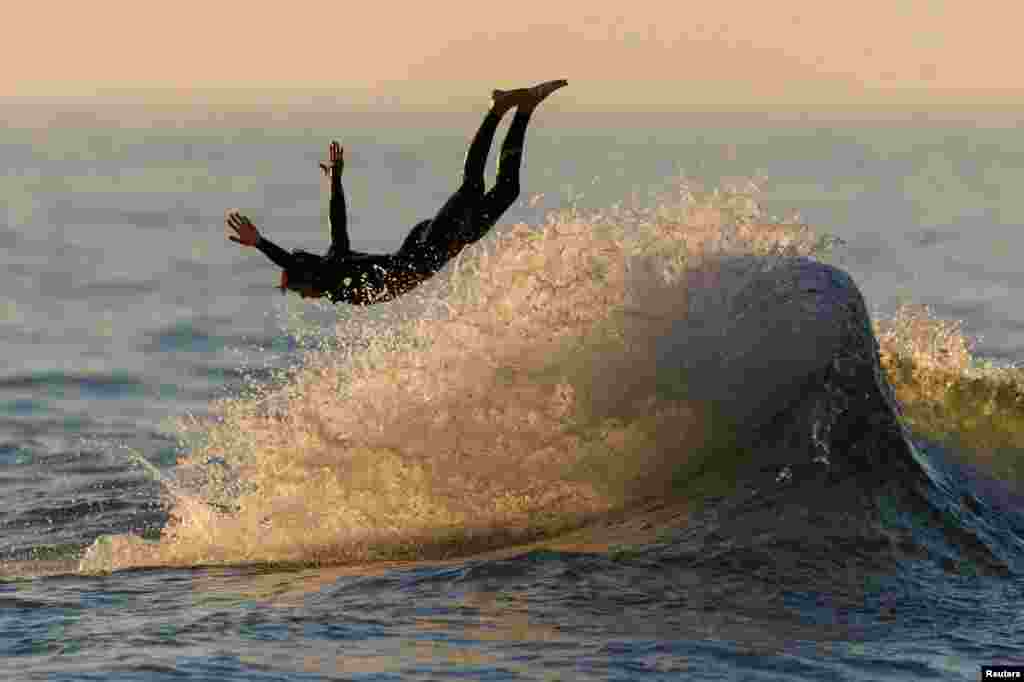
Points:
(123, 308)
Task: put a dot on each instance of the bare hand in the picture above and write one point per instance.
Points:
(248, 235)
(336, 164)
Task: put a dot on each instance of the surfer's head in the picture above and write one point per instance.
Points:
(302, 276)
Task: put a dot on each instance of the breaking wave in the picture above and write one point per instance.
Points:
(517, 397)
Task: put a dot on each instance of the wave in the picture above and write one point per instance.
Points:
(558, 375)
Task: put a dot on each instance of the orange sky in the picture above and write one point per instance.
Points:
(635, 54)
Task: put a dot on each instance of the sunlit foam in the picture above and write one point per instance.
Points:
(517, 396)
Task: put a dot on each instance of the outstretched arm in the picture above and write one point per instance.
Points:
(248, 235)
(340, 246)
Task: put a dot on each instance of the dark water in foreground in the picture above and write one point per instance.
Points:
(543, 615)
(122, 306)
(539, 616)
(662, 610)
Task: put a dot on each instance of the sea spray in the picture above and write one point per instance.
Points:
(973, 406)
(522, 398)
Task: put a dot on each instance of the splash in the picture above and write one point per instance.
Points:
(518, 397)
(949, 396)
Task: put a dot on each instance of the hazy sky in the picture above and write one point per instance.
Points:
(629, 54)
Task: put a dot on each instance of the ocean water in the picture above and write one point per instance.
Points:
(124, 309)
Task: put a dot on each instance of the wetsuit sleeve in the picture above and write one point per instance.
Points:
(339, 221)
(282, 258)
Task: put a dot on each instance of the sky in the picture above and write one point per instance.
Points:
(640, 55)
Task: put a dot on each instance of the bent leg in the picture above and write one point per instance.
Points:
(506, 187)
(450, 223)
(476, 155)
(470, 214)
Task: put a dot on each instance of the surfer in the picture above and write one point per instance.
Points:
(347, 276)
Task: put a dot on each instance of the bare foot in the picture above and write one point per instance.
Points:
(526, 97)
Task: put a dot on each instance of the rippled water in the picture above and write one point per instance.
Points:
(543, 615)
(122, 306)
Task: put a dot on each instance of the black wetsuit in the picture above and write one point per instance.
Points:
(347, 276)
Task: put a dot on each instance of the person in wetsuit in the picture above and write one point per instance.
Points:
(347, 276)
